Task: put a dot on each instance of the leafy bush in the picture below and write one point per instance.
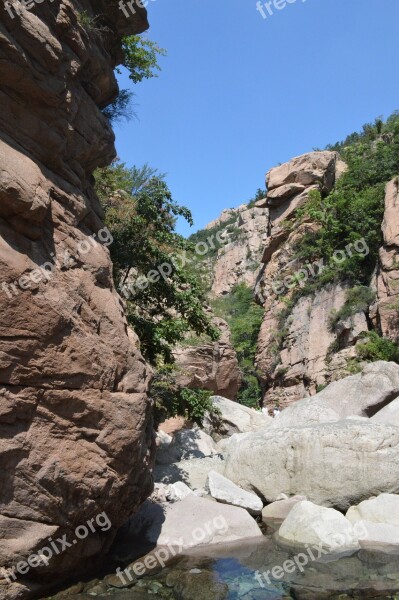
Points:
(141, 57)
(170, 400)
(358, 299)
(121, 108)
(376, 347)
(141, 215)
(354, 209)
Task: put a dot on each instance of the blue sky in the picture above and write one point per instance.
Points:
(239, 94)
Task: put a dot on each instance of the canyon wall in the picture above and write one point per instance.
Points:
(245, 231)
(211, 366)
(299, 351)
(75, 422)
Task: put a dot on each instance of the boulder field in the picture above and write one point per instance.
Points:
(322, 465)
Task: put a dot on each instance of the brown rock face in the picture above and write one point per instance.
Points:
(245, 232)
(295, 347)
(76, 436)
(386, 310)
(212, 367)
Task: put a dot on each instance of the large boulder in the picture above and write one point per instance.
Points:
(327, 528)
(381, 509)
(389, 414)
(379, 518)
(193, 472)
(191, 522)
(362, 456)
(75, 419)
(227, 492)
(231, 417)
(361, 395)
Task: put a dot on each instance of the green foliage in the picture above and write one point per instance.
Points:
(370, 132)
(121, 108)
(211, 238)
(260, 195)
(170, 400)
(244, 317)
(354, 209)
(141, 215)
(141, 57)
(377, 348)
(358, 299)
(92, 24)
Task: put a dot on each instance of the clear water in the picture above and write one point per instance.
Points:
(229, 573)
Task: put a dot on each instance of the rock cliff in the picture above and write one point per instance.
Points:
(212, 366)
(245, 231)
(76, 436)
(299, 350)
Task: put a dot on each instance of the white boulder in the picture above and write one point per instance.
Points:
(357, 395)
(389, 414)
(381, 509)
(177, 491)
(327, 528)
(332, 464)
(224, 490)
(234, 418)
(192, 522)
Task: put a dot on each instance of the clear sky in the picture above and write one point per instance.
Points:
(239, 94)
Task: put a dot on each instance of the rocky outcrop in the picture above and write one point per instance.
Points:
(385, 313)
(76, 437)
(363, 456)
(212, 366)
(336, 431)
(230, 417)
(298, 351)
(244, 230)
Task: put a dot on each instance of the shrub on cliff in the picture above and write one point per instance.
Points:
(355, 208)
(376, 348)
(244, 317)
(171, 400)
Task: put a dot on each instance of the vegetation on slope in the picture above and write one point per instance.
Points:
(355, 208)
(244, 317)
(353, 211)
(164, 298)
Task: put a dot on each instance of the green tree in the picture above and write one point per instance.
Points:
(164, 299)
(141, 57)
